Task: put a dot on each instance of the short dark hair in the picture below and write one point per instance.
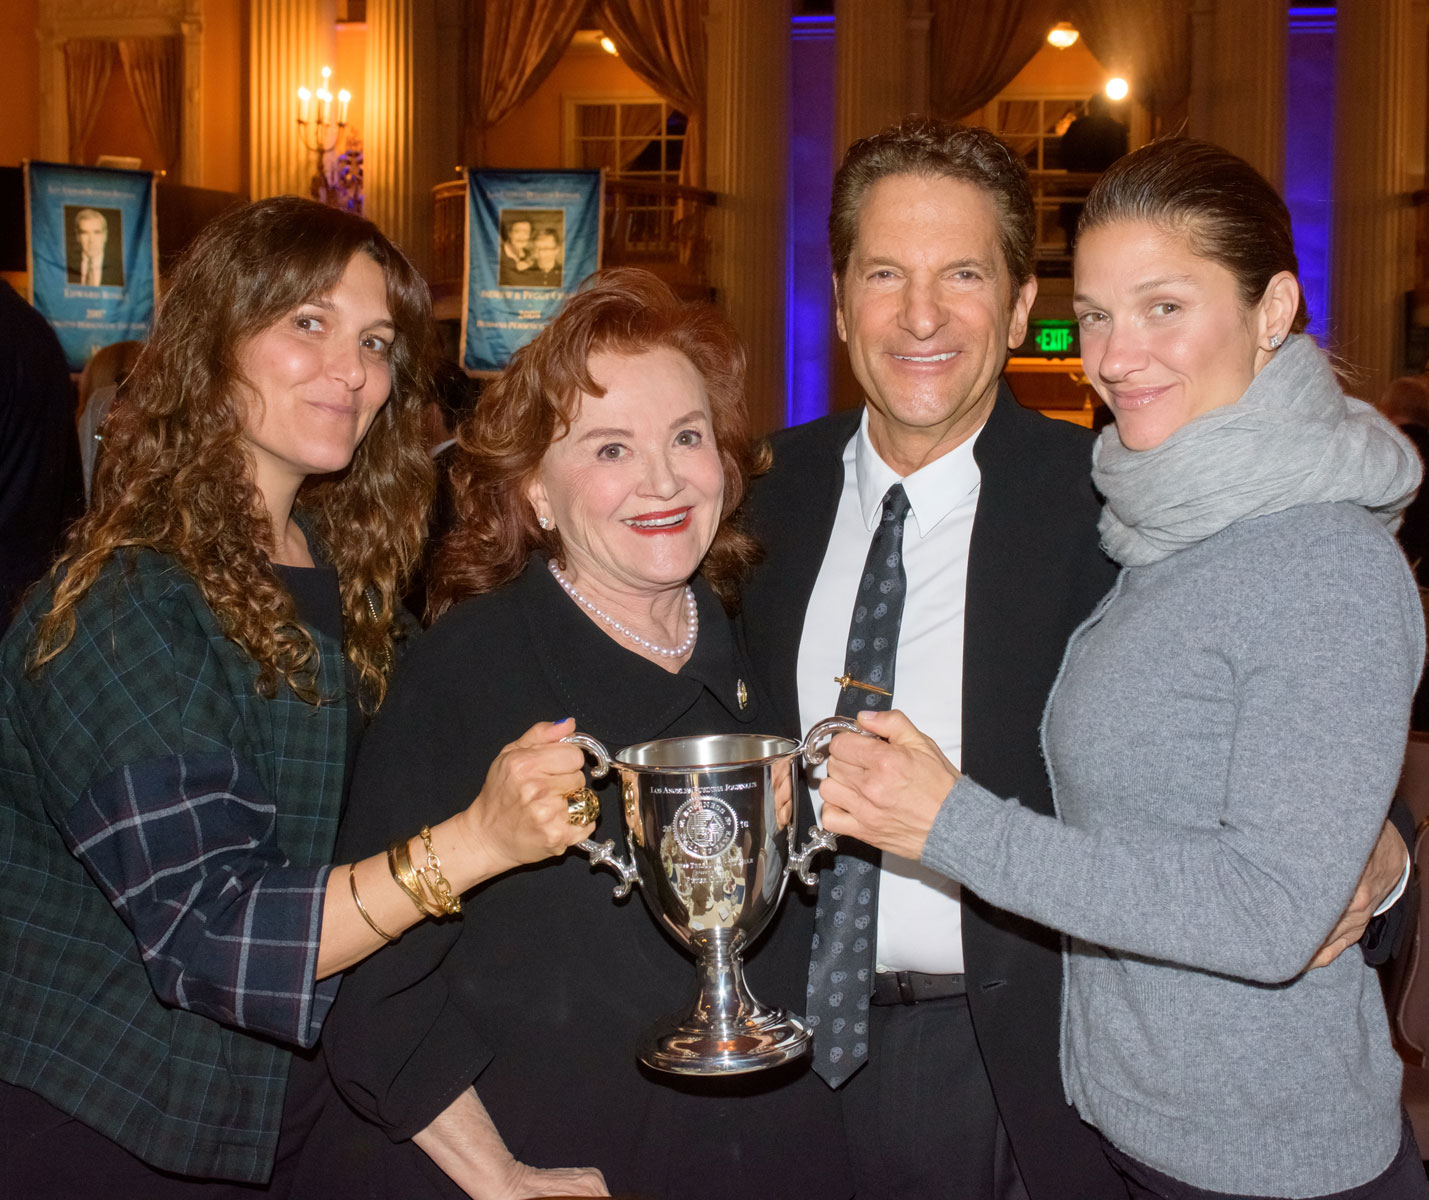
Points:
(1227, 210)
(933, 149)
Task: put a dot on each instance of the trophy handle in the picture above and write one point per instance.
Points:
(815, 749)
(602, 854)
(819, 839)
(595, 750)
(816, 742)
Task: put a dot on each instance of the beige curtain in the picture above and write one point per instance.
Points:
(154, 68)
(513, 46)
(1018, 125)
(663, 41)
(1147, 41)
(979, 45)
(88, 62)
(639, 124)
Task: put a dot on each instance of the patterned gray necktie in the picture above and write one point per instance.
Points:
(841, 961)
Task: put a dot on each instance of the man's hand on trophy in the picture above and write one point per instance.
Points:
(886, 793)
(524, 811)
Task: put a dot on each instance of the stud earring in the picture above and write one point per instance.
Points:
(1275, 340)
(544, 522)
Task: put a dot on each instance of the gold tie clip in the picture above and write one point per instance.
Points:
(848, 681)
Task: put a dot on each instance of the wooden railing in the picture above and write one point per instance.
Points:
(1420, 200)
(1416, 333)
(1058, 197)
(448, 236)
(660, 226)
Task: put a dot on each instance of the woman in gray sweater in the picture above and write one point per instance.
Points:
(1226, 731)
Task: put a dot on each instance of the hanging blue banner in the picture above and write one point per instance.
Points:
(531, 237)
(92, 254)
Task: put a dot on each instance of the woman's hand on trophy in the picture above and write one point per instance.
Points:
(886, 793)
(524, 812)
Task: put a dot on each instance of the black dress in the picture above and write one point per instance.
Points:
(538, 992)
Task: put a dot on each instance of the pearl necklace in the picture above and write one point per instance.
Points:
(692, 619)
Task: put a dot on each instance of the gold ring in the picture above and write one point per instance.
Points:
(582, 807)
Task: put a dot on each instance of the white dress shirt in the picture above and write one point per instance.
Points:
(919, 911)
(92, 271)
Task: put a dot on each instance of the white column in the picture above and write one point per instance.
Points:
(1239, 50)
(401, 86)
(873, 51)
(919, 40)
(290, 41)
(54, 113)
(1372, 264)
(449, 94)
(191, 146)
(747, 155)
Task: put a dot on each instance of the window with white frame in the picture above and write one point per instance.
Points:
(1033, 125)
(632, 137)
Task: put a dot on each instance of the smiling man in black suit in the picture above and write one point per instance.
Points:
(946, 1057)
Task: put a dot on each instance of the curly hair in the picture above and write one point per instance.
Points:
(177, 477)
(500, 445)
(934, 149)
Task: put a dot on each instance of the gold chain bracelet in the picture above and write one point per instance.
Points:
(440, 890)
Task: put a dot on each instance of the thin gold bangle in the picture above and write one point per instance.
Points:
(399, 859)
(362, 908)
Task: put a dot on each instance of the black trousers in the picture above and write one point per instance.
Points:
(46, 1154)
(1403, 1179)
(920, 1118)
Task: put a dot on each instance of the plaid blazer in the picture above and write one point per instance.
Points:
(164, 835)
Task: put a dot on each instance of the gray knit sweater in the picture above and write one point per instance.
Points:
(1223, 738)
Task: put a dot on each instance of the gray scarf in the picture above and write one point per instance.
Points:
(1292, 439)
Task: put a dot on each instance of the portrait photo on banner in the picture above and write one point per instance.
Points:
(92, 253)
(94, 246)
(531, 238)
(533, 247)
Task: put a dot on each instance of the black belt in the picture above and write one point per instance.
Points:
(909, 987)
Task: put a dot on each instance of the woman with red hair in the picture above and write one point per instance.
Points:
(590, 573)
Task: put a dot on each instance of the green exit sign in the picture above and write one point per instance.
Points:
(1050, 339)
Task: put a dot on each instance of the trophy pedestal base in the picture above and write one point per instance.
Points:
(686, 1047)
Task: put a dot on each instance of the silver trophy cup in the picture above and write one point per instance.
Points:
(709, 825)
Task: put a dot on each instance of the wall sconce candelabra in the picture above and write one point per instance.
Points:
(319, 133)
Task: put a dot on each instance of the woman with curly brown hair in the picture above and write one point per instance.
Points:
(181, 706)
(589, 572)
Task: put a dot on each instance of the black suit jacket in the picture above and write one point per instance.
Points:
(1035, 572)
(111, 272)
